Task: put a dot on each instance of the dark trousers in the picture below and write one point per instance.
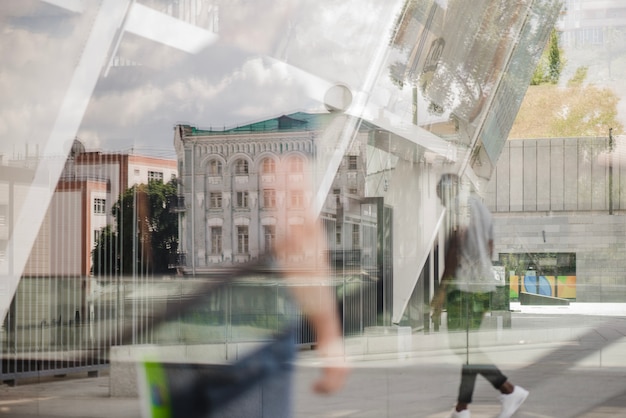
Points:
(465, 312)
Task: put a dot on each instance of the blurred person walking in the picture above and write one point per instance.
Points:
(196, 390)
(465, 291)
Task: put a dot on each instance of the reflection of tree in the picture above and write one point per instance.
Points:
(455, 55)
(146, 232)
(474, 55)
(578, 110)
(106, 254)
(417, 21)
(550, 64)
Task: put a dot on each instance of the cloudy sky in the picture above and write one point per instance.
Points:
(265, 61)
(263, 58)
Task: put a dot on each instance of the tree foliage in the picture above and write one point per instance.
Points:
(550, 64)
(577, 110)
(106, 254)
(554, 59)
(145, 234)
(549, 111)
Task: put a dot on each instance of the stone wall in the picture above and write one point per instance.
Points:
(556, 195)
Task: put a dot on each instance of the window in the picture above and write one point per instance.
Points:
(269, 235)
(297, 199)
(155, 176)
(269, 198)
(241, 167)
(215, 168)
(269, 166)
(242, 239)
(242, 199)
(296, 165)
(297, 230)
(99, 206)
(338, 235)
(96, 237)
(352, 162)
(215, 200)
(356, 236)
(353, 191)
(216, 240)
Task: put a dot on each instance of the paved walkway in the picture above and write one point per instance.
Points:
(573, 361)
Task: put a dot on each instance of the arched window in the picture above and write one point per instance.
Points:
(241, 166)
(215, 168)
(269, 166)
(296, 165)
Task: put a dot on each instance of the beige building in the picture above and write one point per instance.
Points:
(14, 185)
(238, 200)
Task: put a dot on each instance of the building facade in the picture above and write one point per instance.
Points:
(247, 186)
(559, 207)
(89, 186)
(587, 23)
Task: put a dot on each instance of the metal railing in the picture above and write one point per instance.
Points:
(57, 326)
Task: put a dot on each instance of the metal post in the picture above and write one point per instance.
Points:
(611, 146)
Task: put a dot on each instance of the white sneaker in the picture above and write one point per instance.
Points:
(512, 401)
(463, 414)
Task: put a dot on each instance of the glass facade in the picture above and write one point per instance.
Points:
(189, 179)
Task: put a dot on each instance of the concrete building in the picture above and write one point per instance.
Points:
(559, 207)
(587, 23)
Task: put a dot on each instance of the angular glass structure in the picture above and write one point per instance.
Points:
(158, 157)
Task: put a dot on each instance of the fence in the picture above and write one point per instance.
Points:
(58, 325)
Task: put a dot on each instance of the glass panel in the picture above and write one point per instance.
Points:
(201, 176)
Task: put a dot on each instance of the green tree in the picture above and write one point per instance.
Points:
(146, 232)
(105, 255)
(554, 58)
(550, 63)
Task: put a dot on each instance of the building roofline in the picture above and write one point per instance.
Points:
(293, 122)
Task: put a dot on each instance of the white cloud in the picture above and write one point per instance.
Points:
(213, 88)
(37, 65)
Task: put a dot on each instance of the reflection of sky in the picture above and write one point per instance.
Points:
(229, 83)
(223, 85)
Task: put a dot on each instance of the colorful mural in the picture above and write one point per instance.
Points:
(558, 286)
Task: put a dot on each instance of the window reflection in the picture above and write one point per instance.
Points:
(376, 101)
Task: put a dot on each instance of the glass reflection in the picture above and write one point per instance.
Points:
(207, 98)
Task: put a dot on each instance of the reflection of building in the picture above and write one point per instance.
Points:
(590, 22)
(477, 105)
(90, 184)
(14, 185)
(239, 201)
